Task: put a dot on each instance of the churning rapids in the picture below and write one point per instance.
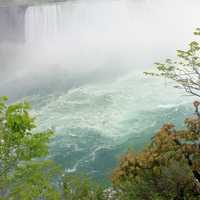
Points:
(81, 67)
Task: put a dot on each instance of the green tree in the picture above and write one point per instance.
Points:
(24, 174)
(184, 70)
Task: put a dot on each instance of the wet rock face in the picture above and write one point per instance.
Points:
(12, 23)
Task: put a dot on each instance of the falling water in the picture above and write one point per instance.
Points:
(73, 17)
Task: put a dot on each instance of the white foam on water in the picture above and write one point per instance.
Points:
(106, 107)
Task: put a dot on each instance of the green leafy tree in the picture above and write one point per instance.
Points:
(184, 70)
(24, 174)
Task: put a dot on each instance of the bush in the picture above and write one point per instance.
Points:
(169, 167)
(81, 188)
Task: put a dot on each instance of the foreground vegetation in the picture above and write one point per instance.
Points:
(169, 168)
(23, 174)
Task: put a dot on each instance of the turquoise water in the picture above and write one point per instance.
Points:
(97, 122)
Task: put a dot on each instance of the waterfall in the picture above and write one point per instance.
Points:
(122, 18)
(99, 37)
(43, 21)
(76, 17)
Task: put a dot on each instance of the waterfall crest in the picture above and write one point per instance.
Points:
(72, 18)
(124, 18)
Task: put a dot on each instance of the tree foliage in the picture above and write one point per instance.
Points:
(185, 70)
(169, 167)
(23, 175)
(81, 188)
